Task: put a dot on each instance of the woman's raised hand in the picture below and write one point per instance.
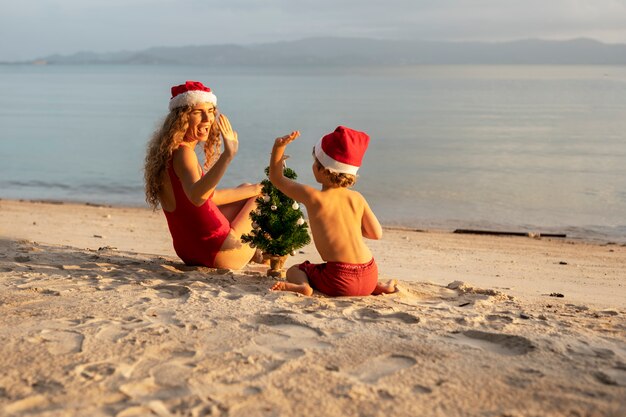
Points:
(231, 143)
(287, 139)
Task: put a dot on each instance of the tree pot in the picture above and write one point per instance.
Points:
(276, 266)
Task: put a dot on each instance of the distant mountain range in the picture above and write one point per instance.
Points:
(341, 52)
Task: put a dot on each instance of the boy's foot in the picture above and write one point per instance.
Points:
(303, 289)
(386, 288)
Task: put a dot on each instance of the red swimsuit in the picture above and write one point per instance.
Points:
(197, 232)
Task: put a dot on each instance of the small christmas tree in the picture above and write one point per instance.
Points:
(278, 226)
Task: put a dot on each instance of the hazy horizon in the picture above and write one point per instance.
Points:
(363, 52)
(65, 27)
(252, 44)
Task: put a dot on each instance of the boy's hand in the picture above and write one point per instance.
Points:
(287, 139)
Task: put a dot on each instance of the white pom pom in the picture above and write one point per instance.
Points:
(266, 198)
(273, 208)
(295, 206)
(300, 221)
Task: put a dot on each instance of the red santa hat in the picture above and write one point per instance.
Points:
(342, 150)
(190, 94)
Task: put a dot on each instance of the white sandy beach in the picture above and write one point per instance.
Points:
(99, 318)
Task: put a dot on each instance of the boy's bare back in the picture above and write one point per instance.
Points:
(336, 218)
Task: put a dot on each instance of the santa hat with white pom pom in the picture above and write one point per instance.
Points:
(190, 94)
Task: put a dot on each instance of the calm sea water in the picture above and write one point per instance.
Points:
(523, 148)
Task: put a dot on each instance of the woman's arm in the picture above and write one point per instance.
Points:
(199, 188)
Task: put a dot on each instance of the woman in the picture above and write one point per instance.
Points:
(205, 223)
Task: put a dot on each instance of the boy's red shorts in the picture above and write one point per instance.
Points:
(342, 279)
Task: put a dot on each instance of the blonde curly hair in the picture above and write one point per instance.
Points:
(164, 141)
(336, 178)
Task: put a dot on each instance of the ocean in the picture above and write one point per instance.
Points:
(512, 148)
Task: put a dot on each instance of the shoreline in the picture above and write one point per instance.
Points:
(509, 230)
(516, 264)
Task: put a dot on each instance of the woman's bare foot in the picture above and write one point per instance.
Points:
(386, 288)
(304, 289)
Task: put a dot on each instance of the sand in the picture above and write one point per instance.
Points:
(99, 318)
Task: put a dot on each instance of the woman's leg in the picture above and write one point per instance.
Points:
(234, 254)
(232, 209)
(225, 196)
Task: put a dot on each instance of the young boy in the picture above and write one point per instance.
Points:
(339, 218)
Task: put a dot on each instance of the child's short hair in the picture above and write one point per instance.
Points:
(336, 178)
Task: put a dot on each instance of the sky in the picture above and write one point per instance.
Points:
(31, 29)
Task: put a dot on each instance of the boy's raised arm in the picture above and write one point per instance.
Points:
(290, 188)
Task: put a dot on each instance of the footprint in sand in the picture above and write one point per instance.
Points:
(171, 374)
(288, 337)
(281, 318)
(369, 314)
(59, 342)
(96, 371)
(582, 348)
(498, 322)
(173, 291)
(373, 370)
(163, 316)
(111, 332)
(504, 344)
(237, 292)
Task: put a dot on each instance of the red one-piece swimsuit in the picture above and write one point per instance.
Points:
(197, 232)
